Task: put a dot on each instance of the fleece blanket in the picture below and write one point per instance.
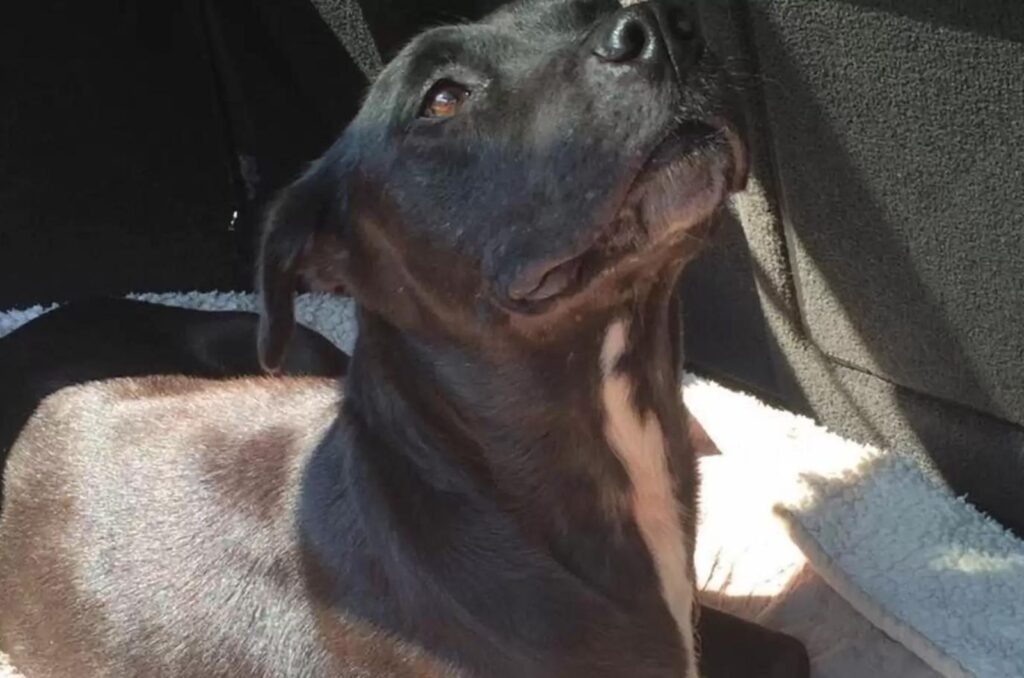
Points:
(817, 536)
(860, 552)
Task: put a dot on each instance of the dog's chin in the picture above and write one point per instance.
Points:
(664, 218)
(683, 184)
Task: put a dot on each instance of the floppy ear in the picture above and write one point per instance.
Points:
(303, 234)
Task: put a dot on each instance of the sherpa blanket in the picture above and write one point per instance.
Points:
(816, 535)
(859, 552)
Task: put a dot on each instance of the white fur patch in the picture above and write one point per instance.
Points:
(639, 442)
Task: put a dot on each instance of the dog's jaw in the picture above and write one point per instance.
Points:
(677, 200)
(687, 177)
(639, 442)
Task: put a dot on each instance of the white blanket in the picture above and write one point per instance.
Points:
(921, 565)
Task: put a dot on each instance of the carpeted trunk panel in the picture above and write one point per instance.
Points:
(897, 144)
(882, 228)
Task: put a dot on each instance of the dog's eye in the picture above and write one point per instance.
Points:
(444, 100)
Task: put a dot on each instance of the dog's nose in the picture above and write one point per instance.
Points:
(649, 33)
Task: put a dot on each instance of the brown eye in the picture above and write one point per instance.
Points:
(444, 100)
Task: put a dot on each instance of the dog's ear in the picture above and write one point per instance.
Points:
(303, 238)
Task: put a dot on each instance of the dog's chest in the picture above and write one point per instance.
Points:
(638, 440)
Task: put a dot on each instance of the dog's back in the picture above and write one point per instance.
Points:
(103, 338)
(128, 497)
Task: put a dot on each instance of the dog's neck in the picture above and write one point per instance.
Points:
(571, 439)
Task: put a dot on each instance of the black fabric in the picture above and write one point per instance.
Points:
(288, 89)
(883, 228)
(112, 161)
(724, 329)
(140, 139)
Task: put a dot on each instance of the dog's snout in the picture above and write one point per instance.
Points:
(649, 33)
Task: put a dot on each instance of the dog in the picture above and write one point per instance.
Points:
(104, 338)
(502, 484)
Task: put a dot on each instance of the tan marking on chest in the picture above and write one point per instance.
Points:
(639, 442)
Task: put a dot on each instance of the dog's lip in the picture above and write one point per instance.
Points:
(738, 151)
(539, 285)
(692, 135)
(546, 280)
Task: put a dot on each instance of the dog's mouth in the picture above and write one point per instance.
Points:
(669, 201)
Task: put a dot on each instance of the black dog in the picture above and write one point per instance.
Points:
(504, 486)
(102, 338)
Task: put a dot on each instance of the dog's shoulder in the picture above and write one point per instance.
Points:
(165, 427)
(184, 402)
(237, 393)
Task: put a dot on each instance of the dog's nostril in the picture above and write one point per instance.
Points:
(627, 40)
(633, 40)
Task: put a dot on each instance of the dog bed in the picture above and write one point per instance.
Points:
(860, 553)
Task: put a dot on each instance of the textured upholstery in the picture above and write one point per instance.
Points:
(883, 232)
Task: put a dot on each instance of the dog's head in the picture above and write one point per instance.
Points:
(513, 173)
